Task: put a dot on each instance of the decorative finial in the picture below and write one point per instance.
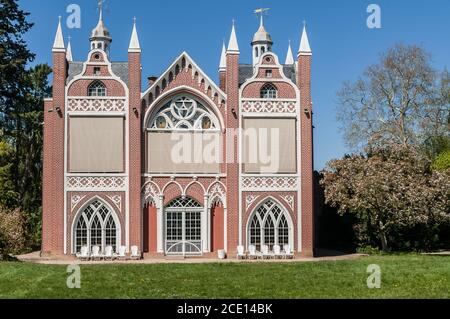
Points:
(100, 8)
(304, 23)
(134, 20)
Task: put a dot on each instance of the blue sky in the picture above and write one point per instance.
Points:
(342, 44)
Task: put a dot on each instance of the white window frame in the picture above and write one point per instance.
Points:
(89, 221)
(184, 206)
(99, 87)
(276, 221)
(178, 119)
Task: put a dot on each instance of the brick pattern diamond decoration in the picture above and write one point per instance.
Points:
(275, 107)
(96, 105)
(269, 183)
(96, 183)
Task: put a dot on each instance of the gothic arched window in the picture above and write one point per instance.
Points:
(269, 226)
(269, 91)
(96, 226)
(97, 88)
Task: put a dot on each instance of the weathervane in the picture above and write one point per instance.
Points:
(261, 12)
(101, 4)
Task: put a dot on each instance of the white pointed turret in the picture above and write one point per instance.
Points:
(58, 45)
(289, 56)
(233, 46)
(100, 36)
(223, 59)
(262, 42)
(134, 42)
(304, 49)
(69, 56)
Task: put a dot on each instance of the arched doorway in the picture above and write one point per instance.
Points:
(96, 225)
(183, 220)
(270, 225)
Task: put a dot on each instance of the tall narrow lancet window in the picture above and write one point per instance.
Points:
(97, 88)
(269, 91)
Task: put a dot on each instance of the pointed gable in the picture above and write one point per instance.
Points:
(184, 72)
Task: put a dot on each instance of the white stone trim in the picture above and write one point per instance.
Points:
(117, 200)
(289, 199)
(286, 213)
(96, 104)
(250, 199)
(112, 213)
(195, 68)
(166, 96)
(67, 175)
(96, 183)
(269, 107)
(75, 200)
(270, 183)
(252, 181)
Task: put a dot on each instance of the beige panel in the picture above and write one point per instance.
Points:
(96, 145)
(187, 153)
(270, 146)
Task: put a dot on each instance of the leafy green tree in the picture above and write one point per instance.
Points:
(442, 162)
(8, 195)
(14, 56)
(22, 91)
(387, 189)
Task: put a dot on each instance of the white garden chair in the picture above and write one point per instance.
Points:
(289, 253)
(84, 254)
(135, 254)
(122, 253)
(241, 253)
(96, 253)
(266, 253)
(253, 254)
(109, 253)
(277, 252)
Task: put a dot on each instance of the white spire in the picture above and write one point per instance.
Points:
(58, 45)
(233, 46)
(223, 58)
(134, 42)
(289, 56)
(69, 52)
(304, 49)
(101, 10)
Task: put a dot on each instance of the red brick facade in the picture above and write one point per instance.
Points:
(226, 200)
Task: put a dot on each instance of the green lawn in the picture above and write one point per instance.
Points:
(403, 276)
